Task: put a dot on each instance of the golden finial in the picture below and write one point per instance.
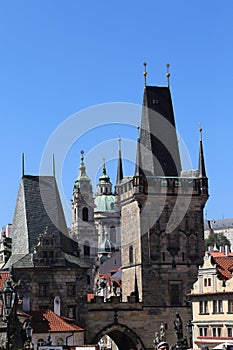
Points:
(145, 73)
(168, 74)
(82, 155)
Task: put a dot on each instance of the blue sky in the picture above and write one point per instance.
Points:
(60, 57)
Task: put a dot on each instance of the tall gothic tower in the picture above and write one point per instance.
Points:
(162, 235)
(83, 226)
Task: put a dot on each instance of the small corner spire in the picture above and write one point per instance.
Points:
(22, 164)
(201, 161)
(168, 75)
(54, 165)
(145, 73)
(138, 128)
(119, 165)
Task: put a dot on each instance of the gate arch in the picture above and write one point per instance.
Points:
(124, 337)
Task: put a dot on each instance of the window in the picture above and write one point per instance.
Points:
(203, 307)
(71, 311)
(86, 249)
(42, 290)
(60, 341)
(153, 246)
(230, 306)
(229, 332)
(85, 214)
(175, 292)
(216, 331)
(203, 331)
(40, 342)
(131, 254)
(71, 290)
(217, 306)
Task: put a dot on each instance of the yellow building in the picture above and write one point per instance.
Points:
(212, 301)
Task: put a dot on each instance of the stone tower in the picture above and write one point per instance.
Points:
(83, 226)
(106, 212)
(162, 235)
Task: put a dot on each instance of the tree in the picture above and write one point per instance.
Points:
(218, 239)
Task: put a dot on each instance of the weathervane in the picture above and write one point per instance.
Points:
(145, 73)
(168, 75)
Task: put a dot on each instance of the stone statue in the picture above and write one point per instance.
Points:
(162, 336)
(178, 327)
(156, 340)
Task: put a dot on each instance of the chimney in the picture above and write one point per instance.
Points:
(227, 250)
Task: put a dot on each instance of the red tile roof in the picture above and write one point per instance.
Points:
(49, 321)
(3, 278)
(224, 264)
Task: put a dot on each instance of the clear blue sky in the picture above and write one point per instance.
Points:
(60, 57)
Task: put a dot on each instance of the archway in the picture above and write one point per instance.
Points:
(123, 337)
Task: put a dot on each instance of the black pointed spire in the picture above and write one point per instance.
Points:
(158, 137)
(201, 163)
(119, 165)
(138, 171)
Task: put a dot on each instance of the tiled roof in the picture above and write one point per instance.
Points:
(49, 321)
(224, 264)
(3, 278)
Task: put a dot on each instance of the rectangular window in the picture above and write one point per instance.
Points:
(229, 332)
(175, 292)
(217, 307)
(216, 331)
(203, 331)
(203, 307)
(71, 312)
(230, 306)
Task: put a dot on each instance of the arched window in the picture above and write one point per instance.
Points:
(60, 341)
(88, 279)
(85, 214)
(86, 248)
(131, 254)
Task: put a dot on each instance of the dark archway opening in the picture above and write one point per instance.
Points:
(122, 336)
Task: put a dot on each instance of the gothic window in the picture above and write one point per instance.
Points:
(113, 234)
(42, 290)
(175, 292)
(71, 289)
(131, 254)
(153, 246)
(86, 248)
(85, 214)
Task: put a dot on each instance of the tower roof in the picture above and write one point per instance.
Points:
(119, 165)
(158, 138)
(38, 205)
(82, 180)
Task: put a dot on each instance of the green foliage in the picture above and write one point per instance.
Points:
(216, 239)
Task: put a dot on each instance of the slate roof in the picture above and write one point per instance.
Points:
(158, 139)
(38, 205)
(49, 321)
